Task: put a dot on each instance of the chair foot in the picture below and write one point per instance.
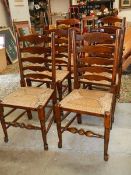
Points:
(45, 146)
(59, 145)
(6, 139)
(29, 114)
(106, 157)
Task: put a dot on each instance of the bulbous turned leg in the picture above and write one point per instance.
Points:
(107, 122)
(2, 120)
(41, 115)
(58, 123)
(59, 88)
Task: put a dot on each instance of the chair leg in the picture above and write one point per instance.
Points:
(58, 122)
(48, 85)
(90, 87)
(59, 88)
(79, 120)
(41, 115)
(54, 100)
(28, 82)
(2, 120)
(107, 121)
(113, 109)
(29, 114)
(119, 84)
(69, 84)
(22, 83)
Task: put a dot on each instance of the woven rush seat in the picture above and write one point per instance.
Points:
(90, 101)
(31, 97)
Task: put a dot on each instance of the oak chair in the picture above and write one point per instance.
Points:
(91, 102)
(111, 21)
(61, 51)
(32, 98)
(69, 23)
(112, 30)
(32, 46)
(43, 41)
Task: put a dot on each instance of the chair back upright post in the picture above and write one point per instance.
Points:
(53, 57)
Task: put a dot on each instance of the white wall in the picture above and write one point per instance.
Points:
(19, 13)
(63, 6)
(124, 12)
(22, 12)
(4, 20)
(59, 6)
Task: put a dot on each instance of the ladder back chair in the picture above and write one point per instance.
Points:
(32, 98)
(99, 39)
(111, 21)
(32, 46)
(44, 44)
(90, 102)
(69, 23)
(112, 30)
(61, 51)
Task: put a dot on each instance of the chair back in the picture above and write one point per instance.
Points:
(61, 49)
(69, 23)
(111, 21)
(34, 60)
(95, 68)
